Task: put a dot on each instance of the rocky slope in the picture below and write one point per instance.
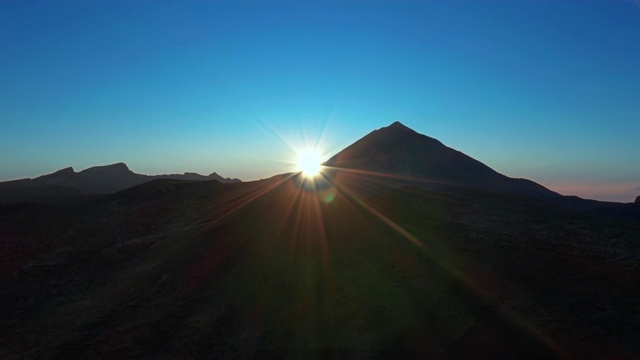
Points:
(399, 150)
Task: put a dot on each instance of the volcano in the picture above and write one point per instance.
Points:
(401, 151)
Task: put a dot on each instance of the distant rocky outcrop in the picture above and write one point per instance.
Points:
(637, 202)
(105, 179)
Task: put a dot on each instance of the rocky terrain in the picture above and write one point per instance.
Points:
(355, 264)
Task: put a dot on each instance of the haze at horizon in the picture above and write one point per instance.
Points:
(540, 90)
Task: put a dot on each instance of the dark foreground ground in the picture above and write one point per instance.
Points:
(352, 268)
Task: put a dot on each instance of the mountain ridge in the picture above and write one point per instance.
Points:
(169, 265)
(101, 179)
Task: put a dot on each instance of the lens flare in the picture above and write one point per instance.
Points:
(309, 163)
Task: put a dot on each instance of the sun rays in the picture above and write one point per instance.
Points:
(299, 215)
(301, 227)
(309, 163)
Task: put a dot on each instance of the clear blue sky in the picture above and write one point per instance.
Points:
(547, 90)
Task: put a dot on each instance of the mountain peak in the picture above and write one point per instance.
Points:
(398, 125)
(59, 177)
(637, 202)
(118, 169)
(117, 166)
(399, 150)
(396, 129)
(67, 170)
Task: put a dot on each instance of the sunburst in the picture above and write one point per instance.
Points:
(309, 163)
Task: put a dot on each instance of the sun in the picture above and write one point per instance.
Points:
(309, 163)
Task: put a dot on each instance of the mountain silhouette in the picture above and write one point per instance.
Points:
(350, 267)
(399, 150)
(105, 179)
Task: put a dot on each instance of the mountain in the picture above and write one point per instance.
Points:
(400, 151)
(106, 179)
(356, 264)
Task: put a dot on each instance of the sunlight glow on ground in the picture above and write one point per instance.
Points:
(309, 163)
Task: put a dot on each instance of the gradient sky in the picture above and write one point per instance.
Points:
(546, 90)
